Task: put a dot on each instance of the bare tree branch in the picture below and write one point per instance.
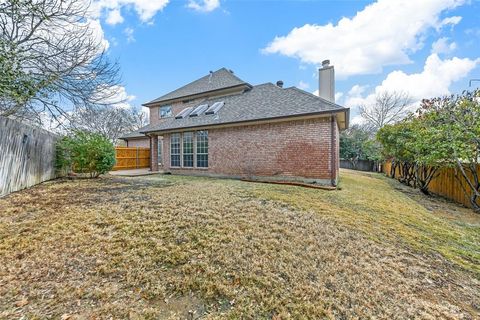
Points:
(389, 107)
(52, 58)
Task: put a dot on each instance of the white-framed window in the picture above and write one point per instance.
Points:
(202, 148)
(165, 112)
(188, 149)
(175, 150)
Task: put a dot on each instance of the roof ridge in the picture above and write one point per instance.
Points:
(223, 78)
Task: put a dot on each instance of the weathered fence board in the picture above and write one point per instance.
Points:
(362, 165)
(131, 158)
(447, 184)
(27, 156)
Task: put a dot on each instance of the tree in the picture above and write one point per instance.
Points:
(445, 132)
(51, 59)
(111, 122)
(85, 152)
(356, 144)
(457, 120)
(396, 146)
(389, 107)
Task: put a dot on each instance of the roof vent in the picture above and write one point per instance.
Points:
(280, 83)
(184, 113)
(198, 110)
(231, 71)
(325, 63)
(210, 77)
(214, 108)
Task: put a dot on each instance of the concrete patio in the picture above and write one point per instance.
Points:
(134, 172)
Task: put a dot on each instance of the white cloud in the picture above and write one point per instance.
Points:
(145, 9)
(118, 97)
(454, 20)
(129, 34)
(303, 85)
(114, 17)
(97, 34)
(443, 46)
(204, 5)
(338, 96)
(434, 80)
(383, 33)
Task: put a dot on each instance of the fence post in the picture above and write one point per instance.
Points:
(136, 160)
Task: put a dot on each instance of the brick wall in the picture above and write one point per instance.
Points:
(154, 153)
(293, 149)
(143, 142)
(176, 108)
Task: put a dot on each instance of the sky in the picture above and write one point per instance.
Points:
(424, 48)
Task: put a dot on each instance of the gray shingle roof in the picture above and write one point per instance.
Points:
(136, 133)
(219, 79)
(265, 101)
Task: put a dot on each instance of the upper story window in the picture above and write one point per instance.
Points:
(165, 112)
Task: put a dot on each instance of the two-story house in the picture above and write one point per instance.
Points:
(222, 126)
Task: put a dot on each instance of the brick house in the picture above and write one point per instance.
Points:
(222, 126)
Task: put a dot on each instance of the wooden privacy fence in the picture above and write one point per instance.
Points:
(447, 183)
(27, 156)
(362, 165)
(131, 158)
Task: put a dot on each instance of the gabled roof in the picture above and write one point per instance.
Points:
(262, 102)
(218, 80)
(136, 133)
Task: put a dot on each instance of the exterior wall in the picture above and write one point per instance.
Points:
(142, 142)
(154, 153)
(179, 106)
(291, 150)
(176, 108)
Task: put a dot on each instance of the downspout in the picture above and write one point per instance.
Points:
(333, 166)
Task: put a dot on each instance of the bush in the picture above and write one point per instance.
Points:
(86, 153)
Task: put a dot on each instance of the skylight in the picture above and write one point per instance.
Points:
(198, 110)
(215, 107)
(184, 113)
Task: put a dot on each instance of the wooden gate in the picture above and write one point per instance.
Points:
(131, 158)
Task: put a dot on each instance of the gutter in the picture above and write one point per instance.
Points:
(333, 151)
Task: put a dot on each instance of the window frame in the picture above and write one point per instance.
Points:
(199, 142)
(201, 136)
(179, 148)
(191, 136)
(165, 116)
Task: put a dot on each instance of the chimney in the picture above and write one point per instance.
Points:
(326, 79)
(280, 83)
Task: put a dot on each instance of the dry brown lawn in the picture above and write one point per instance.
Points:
(170, 247)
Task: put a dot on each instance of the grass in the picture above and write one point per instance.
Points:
(170, 247)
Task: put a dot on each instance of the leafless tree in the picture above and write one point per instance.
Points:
(53, 59)
(389, 107)
(111, 122)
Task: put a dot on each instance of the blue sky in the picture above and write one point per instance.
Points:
(425, 48)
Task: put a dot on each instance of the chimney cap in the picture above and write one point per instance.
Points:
(280, 83)
(325, 63)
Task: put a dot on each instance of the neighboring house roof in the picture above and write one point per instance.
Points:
(262, 102)
(218, 80)
(135, 134)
